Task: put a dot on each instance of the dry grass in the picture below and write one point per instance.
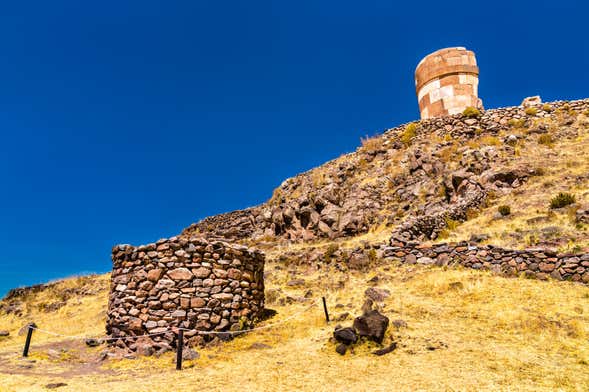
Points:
(467, 330)
(565, 166)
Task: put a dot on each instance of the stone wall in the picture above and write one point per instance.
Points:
(195, 283)
(534, 263)
(446, 82)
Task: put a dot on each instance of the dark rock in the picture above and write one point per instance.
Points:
(55, 385)
(385, 350)
(376, 294)
(342, 317)
(341, 349)
(345, 335)
(92, 342)
(372, 325)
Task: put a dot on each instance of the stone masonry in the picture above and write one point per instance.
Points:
(533, 263)
(446, 82)
(196, 283)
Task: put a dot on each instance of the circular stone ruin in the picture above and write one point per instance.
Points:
(198, 284)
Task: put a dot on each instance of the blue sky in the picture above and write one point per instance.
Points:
(124, 122)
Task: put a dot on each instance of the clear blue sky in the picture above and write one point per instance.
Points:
(124, 122)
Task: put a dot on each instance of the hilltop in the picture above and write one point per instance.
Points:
(470, 164)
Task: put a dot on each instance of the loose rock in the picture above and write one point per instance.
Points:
(372, 325)
(345, 335)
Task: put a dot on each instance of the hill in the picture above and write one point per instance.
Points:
(470, 164)
(487, 178)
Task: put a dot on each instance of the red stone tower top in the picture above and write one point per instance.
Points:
(446, 82)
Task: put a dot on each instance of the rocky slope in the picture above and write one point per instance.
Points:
(419, 179)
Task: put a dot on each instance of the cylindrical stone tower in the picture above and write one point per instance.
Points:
(446, 82)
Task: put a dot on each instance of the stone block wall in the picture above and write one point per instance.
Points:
(446, 82)
(534, 263)
(196, 283)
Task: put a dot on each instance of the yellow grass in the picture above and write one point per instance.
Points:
(566, 166)
(489, 333)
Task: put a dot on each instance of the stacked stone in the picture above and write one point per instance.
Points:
(196, 283)
(446, 82)
(536, 263)
(335, 212)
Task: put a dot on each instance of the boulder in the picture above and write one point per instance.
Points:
(531, 101)
(372, 325)
(144, 349)
(4, 333)
(345, 335)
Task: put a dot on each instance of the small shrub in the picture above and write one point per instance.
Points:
(447, 137)
(370, 144)
(372, 256)
(409, 133)
(504, 210)
(451, 224)
(531, 111)
(547, 108)
(545, 139)
(517, 123)
(471, 112)
(562, 200)
(330, 252)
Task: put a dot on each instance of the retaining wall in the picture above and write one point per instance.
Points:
(537, 263)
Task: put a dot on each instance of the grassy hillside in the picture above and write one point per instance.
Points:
(455, 329)
(465, 330)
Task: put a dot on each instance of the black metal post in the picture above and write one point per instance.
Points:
(325, 310)
(25, 352)
(179, 345)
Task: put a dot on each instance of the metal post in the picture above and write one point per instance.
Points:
(179, 345)
(25, 352)
(325, 310)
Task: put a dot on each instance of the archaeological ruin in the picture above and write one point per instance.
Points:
(446, 82)
(199, 284)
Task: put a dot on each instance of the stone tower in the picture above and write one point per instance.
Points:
(446, 82)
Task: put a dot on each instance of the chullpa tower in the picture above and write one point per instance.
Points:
(446, 82)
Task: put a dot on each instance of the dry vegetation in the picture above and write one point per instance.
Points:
(466, 330)
(564, 167)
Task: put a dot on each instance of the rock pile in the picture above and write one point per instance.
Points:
(197, 283)
(371, 325)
